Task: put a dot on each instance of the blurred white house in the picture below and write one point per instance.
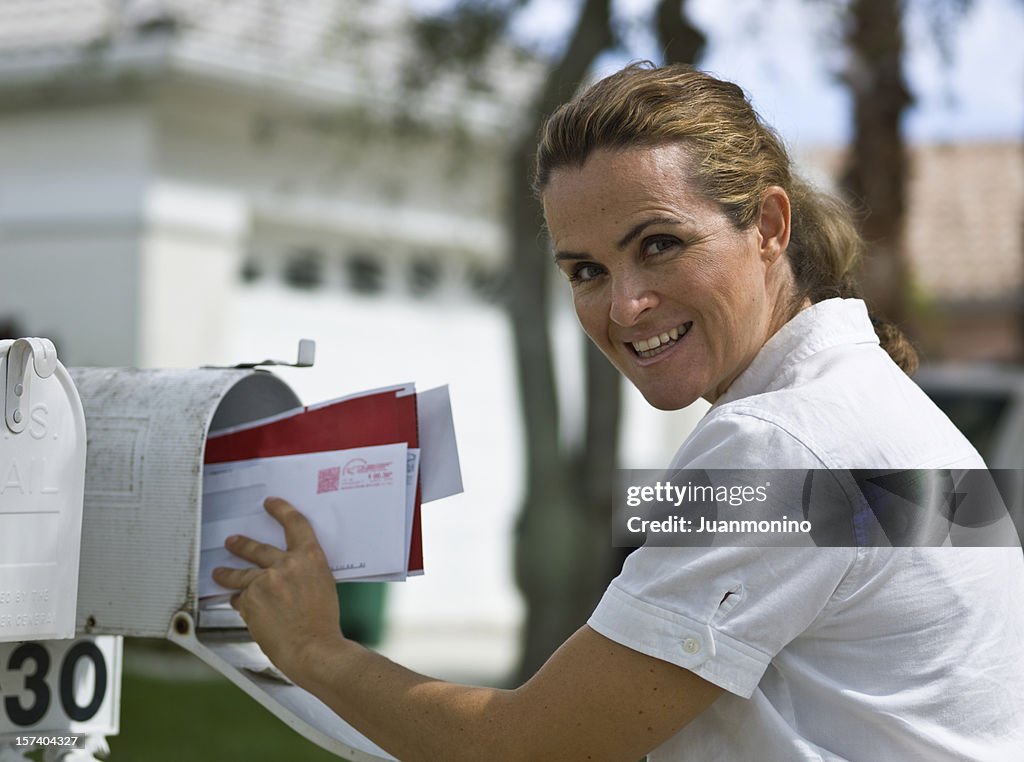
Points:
(196, 182)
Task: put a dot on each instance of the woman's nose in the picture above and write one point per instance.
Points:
(631, 299)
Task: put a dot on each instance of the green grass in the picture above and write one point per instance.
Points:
(202, 721)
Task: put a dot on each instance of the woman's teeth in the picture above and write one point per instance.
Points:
(657, 344)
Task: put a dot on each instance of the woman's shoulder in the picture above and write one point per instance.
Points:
(748, 435)
(884, 421)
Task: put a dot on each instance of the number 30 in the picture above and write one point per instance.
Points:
(36, 683)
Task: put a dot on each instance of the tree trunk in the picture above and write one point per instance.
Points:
(681, 41)
(598, 458)
(564, 559)
(549, 545)
(875, 175)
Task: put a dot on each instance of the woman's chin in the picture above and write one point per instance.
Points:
(675, 399)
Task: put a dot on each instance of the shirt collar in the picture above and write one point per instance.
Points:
(827, 324)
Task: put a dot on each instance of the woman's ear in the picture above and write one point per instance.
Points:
(773, 224)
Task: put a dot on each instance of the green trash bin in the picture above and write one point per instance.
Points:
(362, 611)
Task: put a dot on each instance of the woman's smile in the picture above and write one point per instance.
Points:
(660, 343)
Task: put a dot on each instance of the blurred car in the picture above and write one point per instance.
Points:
(986, 403)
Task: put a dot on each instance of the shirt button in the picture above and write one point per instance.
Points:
(691, 645)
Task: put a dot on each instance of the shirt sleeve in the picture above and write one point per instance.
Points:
(721, 612)
(725, 612)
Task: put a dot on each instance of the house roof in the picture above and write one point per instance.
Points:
(965, 218)
(328, 52)
(965, 226)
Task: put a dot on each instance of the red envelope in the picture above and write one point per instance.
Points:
(377, 418)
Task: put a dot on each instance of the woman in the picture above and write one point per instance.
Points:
(702, 267)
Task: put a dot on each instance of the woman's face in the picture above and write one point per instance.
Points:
(676, 298)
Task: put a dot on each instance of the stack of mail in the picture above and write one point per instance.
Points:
(357, 467)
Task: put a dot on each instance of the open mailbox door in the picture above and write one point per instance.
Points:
(42, 470)
(51, 686)
(142, 530)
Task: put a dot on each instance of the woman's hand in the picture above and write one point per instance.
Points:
(289, 601)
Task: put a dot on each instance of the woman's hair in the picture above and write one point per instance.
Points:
(734, 158)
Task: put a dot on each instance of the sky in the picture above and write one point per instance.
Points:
(782, 52)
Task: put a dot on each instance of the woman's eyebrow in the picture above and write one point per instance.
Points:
(563, 255)
(626, 239)
(638, 229)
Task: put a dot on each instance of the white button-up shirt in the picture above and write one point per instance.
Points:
(870, 654)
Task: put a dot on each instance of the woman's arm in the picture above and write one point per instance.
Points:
(594, 699)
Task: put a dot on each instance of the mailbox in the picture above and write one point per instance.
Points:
(42, 466)
(142, 525)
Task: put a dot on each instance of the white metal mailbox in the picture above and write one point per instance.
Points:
(143, 486)
(142, 526)
(42, 467)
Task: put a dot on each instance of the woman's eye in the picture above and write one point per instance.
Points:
(655, 246)
(583, 273)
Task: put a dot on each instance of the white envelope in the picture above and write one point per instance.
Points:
(357, 501)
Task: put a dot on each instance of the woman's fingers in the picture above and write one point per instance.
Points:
(236, 579)
(297, 529)
(260, 553)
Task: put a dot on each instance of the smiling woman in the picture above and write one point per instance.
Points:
(702, 267)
